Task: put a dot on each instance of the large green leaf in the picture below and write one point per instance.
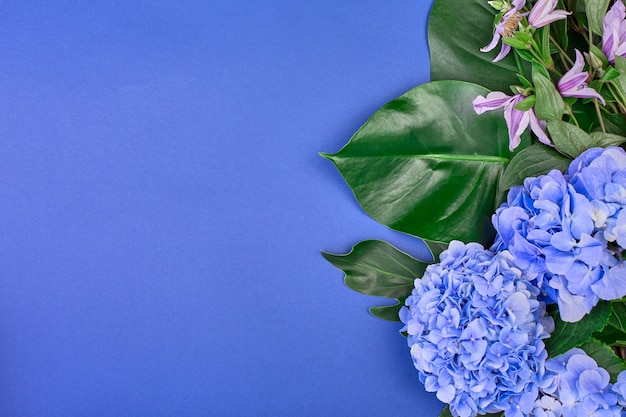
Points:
(428, 165)
(570, 335)
(456, 32)
(374, 267)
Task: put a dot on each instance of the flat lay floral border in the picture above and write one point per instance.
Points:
(509, 166)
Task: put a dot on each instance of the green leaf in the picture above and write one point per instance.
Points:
(569, 139)
(374, 267)
(602, 139)
(605, 357)
(532, 161)
(526, 104)
(389, 313)
(614, 334)
(456, 32)
(549, 104)
(446, 412)
(426, 164)
(596, 9)
(615, 123)
(570, 335)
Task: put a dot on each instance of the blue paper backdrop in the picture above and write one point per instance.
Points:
(162, 207)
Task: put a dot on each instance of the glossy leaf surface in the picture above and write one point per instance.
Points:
(428, 165)
(456, 32)
(532, 161)
(570, 335)
(374, 267)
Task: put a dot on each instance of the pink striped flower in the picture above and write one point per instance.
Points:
(614, 32)
(505, 28)
(517, 121)
(574, 82)
(543, 13)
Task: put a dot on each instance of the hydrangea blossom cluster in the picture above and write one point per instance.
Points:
(574, 385)
(567, 231)
(476, 330)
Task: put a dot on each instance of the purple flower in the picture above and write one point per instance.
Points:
(614, 32)
(505, 28)
(516, 120)
(573, 83)
(543, 13)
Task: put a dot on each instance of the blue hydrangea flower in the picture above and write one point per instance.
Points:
(476, 330)
(574, 385)
(568, 231)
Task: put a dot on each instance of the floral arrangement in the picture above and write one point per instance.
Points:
(521, 199)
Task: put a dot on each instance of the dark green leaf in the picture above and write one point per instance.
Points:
(569, 139)
(446, 412)
(615, 123)
(428, 165)
(389, 313)
(435, 249)
(532, 161)
(596, 9)
(605, 357)
(570, 335)
(456, 34)
(602, 139)
(374, 267)
(549, 103)
(620, 82)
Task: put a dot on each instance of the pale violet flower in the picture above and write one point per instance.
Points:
(505, 28)
(614, 32)
(516, 120)
(543, 13)
(574, 82)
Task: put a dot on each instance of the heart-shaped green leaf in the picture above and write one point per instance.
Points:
(456, 32)
(428, 165)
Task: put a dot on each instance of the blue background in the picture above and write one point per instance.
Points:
(163, 206)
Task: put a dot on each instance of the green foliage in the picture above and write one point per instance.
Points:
(428, 165)
(570, 335)
(374, 267)
(532, 161)
(614, 334)
(605, 357)
(456, 32)
(549, 104)
(569, 139)
(596, 9)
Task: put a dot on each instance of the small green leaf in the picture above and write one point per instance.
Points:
(615, 123)
(526, 104)
(516, 43)
(549, 103)
(605, 357)
(602, 139)
(446, 412)
(570, 335)
(596, 9)
(374, 267)
(532, 161)
(620, 82)
(610, 74)
(389, 313)
(569, 139)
